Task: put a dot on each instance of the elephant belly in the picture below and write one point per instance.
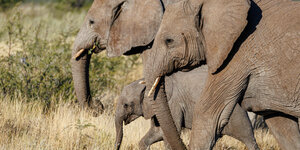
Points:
(270, 90)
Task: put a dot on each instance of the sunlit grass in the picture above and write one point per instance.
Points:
(25, 125)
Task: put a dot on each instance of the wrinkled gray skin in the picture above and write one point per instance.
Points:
(252, 53)
(118, 26)
(182, 89)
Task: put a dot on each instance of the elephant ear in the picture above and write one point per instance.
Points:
(136, 25)
(222, 23)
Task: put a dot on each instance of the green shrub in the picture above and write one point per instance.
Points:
(71, 4)
(5, 4)
(41, 69)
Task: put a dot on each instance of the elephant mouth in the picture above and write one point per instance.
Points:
(96, 47)
(130, 119)
(100, 45)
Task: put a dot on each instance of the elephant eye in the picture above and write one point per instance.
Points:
(125, 105)
(116, 11)
(91, 21)
(169, 42)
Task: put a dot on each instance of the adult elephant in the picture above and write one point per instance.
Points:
(252, 52)
(120, 27)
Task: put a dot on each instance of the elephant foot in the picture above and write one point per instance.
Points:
(96, 107)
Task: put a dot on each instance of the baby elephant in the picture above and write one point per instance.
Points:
(181, 92)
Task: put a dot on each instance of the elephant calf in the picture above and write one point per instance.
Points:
(182, 91)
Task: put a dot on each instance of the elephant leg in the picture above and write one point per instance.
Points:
(152, 136)
(239, 127)
(285, 130)
(213, 110)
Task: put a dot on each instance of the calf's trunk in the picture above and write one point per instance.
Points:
(119, 131)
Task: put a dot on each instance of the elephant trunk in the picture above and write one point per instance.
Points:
(80, 73)
(119, 130)
(162, 111)
(84, 44)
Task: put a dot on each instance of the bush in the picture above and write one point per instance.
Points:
(71, 4)
(4, 4)
(41, 70)
(75, 3)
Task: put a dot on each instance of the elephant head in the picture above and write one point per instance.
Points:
(120, 27)
(195, 32)
(192, 33)
(129, 107)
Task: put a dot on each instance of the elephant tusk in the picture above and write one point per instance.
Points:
(82, 50)
(142, 82)
(154, 86)
(78, 53)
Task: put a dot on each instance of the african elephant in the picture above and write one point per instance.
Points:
(252, 52)
(119, 26)
(182, 92)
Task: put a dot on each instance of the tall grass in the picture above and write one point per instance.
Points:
(24, 125)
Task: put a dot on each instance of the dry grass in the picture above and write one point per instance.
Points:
(5, 49)
(25, 125)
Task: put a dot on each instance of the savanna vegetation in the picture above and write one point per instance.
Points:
(37, 100)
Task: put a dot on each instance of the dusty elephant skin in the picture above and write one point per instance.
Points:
(252, 52)
(182, 91)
